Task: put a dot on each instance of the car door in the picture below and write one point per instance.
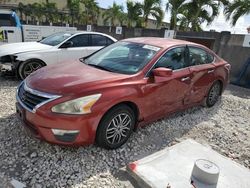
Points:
(167, 95)
(98, 41)
(202, 73)
(79, 48)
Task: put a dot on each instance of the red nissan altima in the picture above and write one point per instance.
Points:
(102, 98)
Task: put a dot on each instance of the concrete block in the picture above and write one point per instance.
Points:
(17, 184)
(172, 168)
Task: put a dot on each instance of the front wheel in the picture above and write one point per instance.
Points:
(115, 127)
(213, 94)
(29, 66)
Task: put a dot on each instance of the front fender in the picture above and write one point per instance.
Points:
(113, 97)
(27, 56)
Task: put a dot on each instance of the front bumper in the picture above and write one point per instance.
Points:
(81, 129)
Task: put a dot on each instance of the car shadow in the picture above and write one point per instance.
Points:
(32, 161)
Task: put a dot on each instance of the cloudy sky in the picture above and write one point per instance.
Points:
(219, 24)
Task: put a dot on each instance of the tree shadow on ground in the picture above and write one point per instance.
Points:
(238, 91)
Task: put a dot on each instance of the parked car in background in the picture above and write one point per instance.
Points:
(24, 58)
(103, 98)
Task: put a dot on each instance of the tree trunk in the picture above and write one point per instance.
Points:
(146, 22)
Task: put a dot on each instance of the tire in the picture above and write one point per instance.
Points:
(110, 133)
(29, 66)
(213, 94)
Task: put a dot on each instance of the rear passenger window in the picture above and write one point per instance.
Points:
(210, 58)
(199, 56)
(99, 40)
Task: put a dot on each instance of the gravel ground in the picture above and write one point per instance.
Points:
(225, 127)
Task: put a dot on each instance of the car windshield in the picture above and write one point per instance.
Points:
(123, 57)
(55, 39)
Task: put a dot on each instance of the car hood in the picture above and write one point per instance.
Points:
(70, 78)
(20, 47)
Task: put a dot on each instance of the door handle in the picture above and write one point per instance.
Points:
(210, 71)
(185, 79)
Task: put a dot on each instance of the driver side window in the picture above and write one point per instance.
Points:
(80, 40)
(173, 59)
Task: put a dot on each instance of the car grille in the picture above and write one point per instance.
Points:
(32, 99)
(29, 99)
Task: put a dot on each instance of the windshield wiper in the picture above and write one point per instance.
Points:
(100, 67)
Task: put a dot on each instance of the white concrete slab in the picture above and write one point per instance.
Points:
(173, 166)
(17, 184)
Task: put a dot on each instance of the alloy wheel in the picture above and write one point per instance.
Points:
(31, 67)
(214, 94)
(118, 128)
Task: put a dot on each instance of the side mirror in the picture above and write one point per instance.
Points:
(67, 44)
(162, 72)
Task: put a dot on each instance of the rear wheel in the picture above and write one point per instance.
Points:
(115, 127)
(213, 94)
(29, 66)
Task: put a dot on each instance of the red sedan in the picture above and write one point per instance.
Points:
(104, 97)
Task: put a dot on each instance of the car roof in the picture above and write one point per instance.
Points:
(85, 32)
(160, 42)
(89, 32)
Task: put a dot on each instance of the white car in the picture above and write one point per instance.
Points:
(24, 58)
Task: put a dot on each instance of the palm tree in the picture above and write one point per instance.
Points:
(20, 8)
(74, 9)
(184, 20)
(152, 8)
(175, 8)
(91, 11)
(186, 23)
(122, 18)
(113, 13)
(62, 17)
(27, 10)
(202, 13)
(51, 11)
(134, 12)
(237, 9)
(196, 12)
(33, 12)
(223, 2)
(37, 11)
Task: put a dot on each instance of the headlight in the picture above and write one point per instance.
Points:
(77, 106)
